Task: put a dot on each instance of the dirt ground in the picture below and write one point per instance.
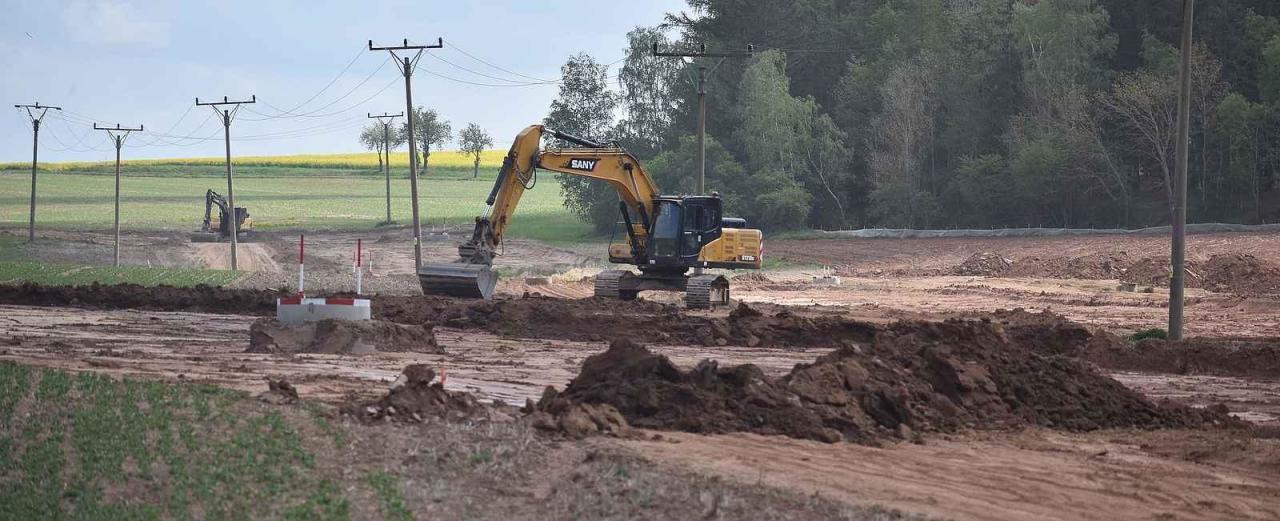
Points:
(1020, 474)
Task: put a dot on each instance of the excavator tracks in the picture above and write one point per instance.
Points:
(706, 291)
(609, 284)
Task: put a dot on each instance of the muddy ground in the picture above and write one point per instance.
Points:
(543, 329)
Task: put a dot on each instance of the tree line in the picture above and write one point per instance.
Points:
(944, 113)
(429, 131)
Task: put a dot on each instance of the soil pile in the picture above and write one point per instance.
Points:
(415, 396)
(913, 377)
(200, 298)
(1241, 274)
(983, 264)
(1097, 266)
(353, 337)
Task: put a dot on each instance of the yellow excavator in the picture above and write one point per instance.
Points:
(666, 235)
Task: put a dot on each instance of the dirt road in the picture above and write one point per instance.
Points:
(1029, 475)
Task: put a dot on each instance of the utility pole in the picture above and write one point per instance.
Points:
(227, 115)
(35, 151)
(1179, 254)
(406, 67)
(703, 72)
(118, 135)
(386, 120)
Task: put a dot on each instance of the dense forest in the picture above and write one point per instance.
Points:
(944, 113)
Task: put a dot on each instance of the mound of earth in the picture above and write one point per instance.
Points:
(1241, 274)
(200, 298)
(416, 396)
(351, 337)
(1096, 266)
(1156, 271)
(912, 377)
(983, 264)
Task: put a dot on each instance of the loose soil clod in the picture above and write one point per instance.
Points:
(415, 397)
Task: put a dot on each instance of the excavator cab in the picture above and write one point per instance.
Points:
(681, 228)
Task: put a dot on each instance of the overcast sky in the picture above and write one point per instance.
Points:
(144, 62)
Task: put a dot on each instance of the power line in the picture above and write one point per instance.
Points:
(284, 114)
(454, 46)
(334, 113)
(359, 53)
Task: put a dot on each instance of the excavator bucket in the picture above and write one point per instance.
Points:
(458, 280)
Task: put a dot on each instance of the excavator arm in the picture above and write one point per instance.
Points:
(211, 199)
(471, 275)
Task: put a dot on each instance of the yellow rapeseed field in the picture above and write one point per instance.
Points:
(489, 159)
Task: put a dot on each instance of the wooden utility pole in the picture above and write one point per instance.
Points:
(406, 67)
(35, 151)
(118, 135)
(1179, 254)
(386, 120)
(703, 72)
(227, 115)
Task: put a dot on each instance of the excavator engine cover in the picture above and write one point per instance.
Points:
(458, 280)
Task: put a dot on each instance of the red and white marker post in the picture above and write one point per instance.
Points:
(359, 251)
(302, 242)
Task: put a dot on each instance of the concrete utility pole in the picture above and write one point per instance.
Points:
(227, 115)
(35, 151)
(386, 120)
(406, 68)
(118, 135)
(703, 72)
(1179, 254)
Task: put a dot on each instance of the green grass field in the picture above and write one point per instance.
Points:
(191, 450)
(79, 201)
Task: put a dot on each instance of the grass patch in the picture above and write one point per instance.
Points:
(94, 447)
(17, 272)
(390, 499)
(1149, 333)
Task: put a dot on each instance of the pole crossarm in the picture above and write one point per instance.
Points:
(405, 46)
(119, 133)
(702, 52)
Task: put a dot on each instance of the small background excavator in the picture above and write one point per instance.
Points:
(222, 232)
(666, 235)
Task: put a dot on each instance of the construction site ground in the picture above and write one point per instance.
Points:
(1102, 282)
